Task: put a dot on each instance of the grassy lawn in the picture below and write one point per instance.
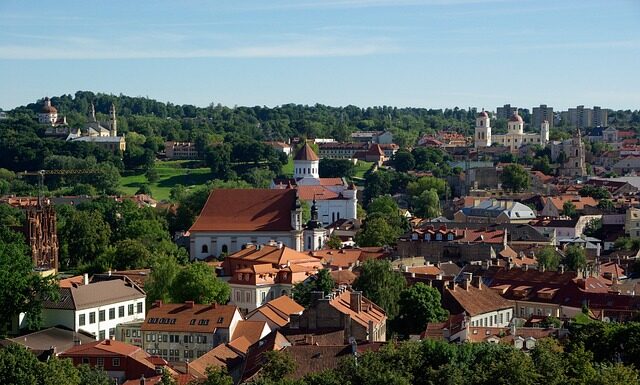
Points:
(362, 167)
(170, 174)
(287, 169)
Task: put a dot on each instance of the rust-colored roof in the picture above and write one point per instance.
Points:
(267, 254)
(71, 281)
(320, 193)
(220, 356)
(515, 117)
(104, 347)
(476, 301)
(375, 149)
(313, 358)
(343, 277)
(278, 310)
(247, 210)
(248, 333)
(331, 182)
(577, 200)
(430, 270)
(369, 312)
(189, 317)
(306, 153)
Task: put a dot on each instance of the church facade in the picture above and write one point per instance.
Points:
(104, 134)
(334, 198)
(515, 136)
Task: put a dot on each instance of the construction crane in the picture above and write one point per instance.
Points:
(41, 174)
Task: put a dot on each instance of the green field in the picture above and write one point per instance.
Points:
(171, 173)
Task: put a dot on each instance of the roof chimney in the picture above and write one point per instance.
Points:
(85, 279)
(189, 304)
(157, 303)
(355, 301)
(452, 285)
(477, 282)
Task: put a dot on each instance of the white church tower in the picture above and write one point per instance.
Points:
(544, 133)
(306, 163)
(482, 137)
(113, 122)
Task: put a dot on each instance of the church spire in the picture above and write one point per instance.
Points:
(92, 113)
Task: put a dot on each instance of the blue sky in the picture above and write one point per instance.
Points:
(421, 53)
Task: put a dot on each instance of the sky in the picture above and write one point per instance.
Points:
(417, 53)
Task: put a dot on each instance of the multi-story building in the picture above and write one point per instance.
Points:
(181, 332)
(541, 114)
(379, 137)
(262, 273)
(515, 136)
(600, 117)
(181, 150)
(337, 150)
(582, 117)
(632, 222)
(505, 112)
(570, 154)
(95, 307)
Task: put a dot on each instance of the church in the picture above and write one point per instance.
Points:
(333, 197)
(104, 134)
(515, 136)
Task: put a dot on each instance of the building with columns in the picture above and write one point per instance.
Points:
(335, 199)
(515, 136)
(104, 134)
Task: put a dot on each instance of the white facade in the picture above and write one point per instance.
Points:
(205, 244)
(515, 136)
(101, 321)
(498, 318)
(306, 169)
(251, 297)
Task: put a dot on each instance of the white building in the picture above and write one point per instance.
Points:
(515, 136)
(232, 218)
(95, 307)
(335, 199)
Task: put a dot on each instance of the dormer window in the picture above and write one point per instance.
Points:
(450, 237)
(438, 237)
(428, 237)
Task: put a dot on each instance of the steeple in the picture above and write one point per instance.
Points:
(113, 122)
(92, 113)
(314, 234)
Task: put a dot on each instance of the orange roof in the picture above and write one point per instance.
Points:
(189, 317)
(275, 255)
(69, 282)
(579, 201)
(478, 301)
(343, 277)
(247, 210)
(306, 153)
(430, 270)
(331, 181)
(250, 331)
(369, 312)
(278, 310)
(321, 193)
(376, 150)
(220, 356)
(107, 347)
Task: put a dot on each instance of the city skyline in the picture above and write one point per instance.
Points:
(432, 53)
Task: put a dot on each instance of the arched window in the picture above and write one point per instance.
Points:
(308, 242)
(225, 248)
(319, 242)
(205, 248)
(283, 292)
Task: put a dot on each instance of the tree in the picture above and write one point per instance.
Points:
(419, 305)
(336, 168)
(575, 258)
(376, 232)
(334, 242)
(515, 178)
(277, 365)
(152, 175)
(379, 283)
(606, 204)
(93, 376)
(548, 258)
(144, 189)
(403, 161)
(569, 209)
(84, 236)
(167, 378)
(59, 372)
(198, 282)
(542, 164)
(163, 274)
(427, 183)
(427, 204)
(217, 375)
(320, 282)
(21, 289)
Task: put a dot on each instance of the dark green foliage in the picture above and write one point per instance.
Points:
(575, 258)
(383, 224)
(320, 282)
(403, 161)
(514, 178)
(595, 192)
(379, 283)
(419, 305)
(336, 168)
(549, 258)
(569, 209)
(217, 376)
(198, 282)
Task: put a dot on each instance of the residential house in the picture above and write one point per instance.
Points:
(346, 311)
(231, 218)
(614, 187)
(627, 165)
(280, 146)
(121, 361)
(564, 228)
(495, 211)
(181, 150)
(95, 307)
(262, 273)
(277, 312)
(181, 332)
(50, 342)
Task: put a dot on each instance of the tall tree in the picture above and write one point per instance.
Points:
(160, 282)
(379, 283)
(549, 258)
(515, 178)
(575, 258)
(419, 305)
(198, 282)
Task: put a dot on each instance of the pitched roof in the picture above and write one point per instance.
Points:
(317, 192)
(306, 153)
(343, 277)
(579, 201)
(77, 297)
(247, 210)
(267, 254)
(189, 317)
(247, 333)
(220, 356)
(477, 301)
(61, 339)
(278, 310)
(104, 347)
(370, 311)
(314, 358)
(375, 149)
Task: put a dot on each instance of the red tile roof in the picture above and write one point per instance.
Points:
(247, 210)
(369, 312)
(321, 193)
(306, 153)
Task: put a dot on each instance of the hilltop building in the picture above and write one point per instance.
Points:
(48, 115)
(333, 197)
(104, 134)
(515, 136)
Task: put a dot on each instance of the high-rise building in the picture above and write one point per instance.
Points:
(600, 116)
(541, 114)
(506, 111)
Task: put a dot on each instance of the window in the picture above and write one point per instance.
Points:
(148, 337)
(85, 360)
(81, 320)
(127, 332)
(205, 248)
(130, 309)
(238, 296)
(112, 332)
(247, 297)
(100, 361)
(121, 311)
(112, 313)
(92, 317)
(225, 248)
(164, 338)
(139, 307)
(115, 361)
(101, 335)
(101, 316)
(264, 295)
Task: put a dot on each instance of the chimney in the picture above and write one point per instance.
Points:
(525, 267)
(477, 282)
(452, 285)
(157, 303)
(85, 279)
(467, 276)
(405, 269)
(541, 268)
(466, 284)
(189, 304)
(355, 301)
(143, 381)
(107, 342)
(109, 273)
